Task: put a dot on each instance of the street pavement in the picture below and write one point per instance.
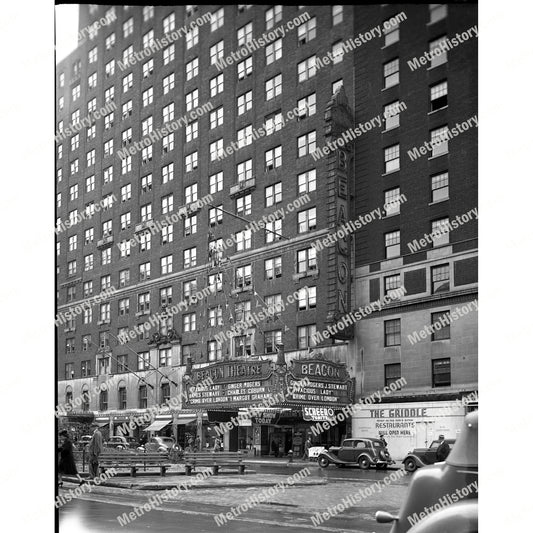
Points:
(194, 510)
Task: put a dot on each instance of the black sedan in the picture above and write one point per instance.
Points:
(364, 452)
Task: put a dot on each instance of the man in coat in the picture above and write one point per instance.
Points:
(94, 449)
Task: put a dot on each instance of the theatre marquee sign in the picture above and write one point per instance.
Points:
(244, 383)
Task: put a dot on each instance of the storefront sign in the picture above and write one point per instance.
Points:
(227, 372)
(317, 414)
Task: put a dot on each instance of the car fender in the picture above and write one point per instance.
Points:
(331, 458)
(460, 517)
(416, 459)
(367, 455)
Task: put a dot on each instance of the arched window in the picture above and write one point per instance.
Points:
(85, 405)
(143, 397)
(103, 400)
(165, 392)
(68, 396)
(122, 397)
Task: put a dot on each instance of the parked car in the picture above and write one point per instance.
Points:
(420, 457)
(161, 444)
(364, 452)
(118, 442)
(315, 451)
(132, 442)
(451, 484)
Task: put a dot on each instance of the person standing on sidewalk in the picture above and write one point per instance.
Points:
(67, 464)
(94, 449)
(307, 445)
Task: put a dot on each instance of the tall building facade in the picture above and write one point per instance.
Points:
(193, 188)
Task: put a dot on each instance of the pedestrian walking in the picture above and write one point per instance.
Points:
(94, 450)
(307, 445)
(67, 464)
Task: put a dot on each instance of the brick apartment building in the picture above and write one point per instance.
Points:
(121, 102)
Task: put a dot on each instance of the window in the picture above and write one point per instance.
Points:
(127, 109)
(88, 262)
(167, 234)
(273, 194)
(307, 31)
(89, 235)
(190, 225)
(189, 322)
(306, 298)
(243, 277)
(306, 336)
(441, 372)
(143, 360)
(144, 271)
(167, 143)
(244, 136)
(306, 260)
(76, 91)
(123, 277)
(110, 41)
(392, 244)
(168, 54)
(392, 201)
(437, 12)
(391, 283)
(69, 346)
(306, 69)
(307, 220)
(306, 144)
(167, 173)
(148, 40)
(216, 85)
(87, 315)
(165, 360)
(244, 68)
(169, 23)
(148, 96)
(143, 397)
(146, 154)
(440, 232)
(440, 325)
(86, 367)
(191, 162)
(214, 350)
(216, 149)
(216, 52)
(244, 34)
(191, 131)
(274, 122)
(217, 19)
(244, 102)
(191, 69)
(62, 79)
(125, 193)
(392, 332)
(189, 257)
(191, 37)
(273, 231)
(72, 243)
(108, 150)
(392, 373)
(336, 15)
(392, 158)
(103, 397)
(439, 141)
(307, 106)
(148, 68)
(272, 339)
(215, 282)
(191, 100)
(391, 30)
(146, 126)
(243, 345)
(75, 142)
(244, 205)
(108, 175)
(91, 132)
(143, 302)
(273, 268)
(243, 240)
(216, 118)
(391, 113)
(437, 51)
(243, 311)
(391, 73)
(148, 13)
(215, 317)
(216, 182)
(127, 82)
(440, 279)
(274, 51)
(191, 193)
(273, 16)
(73, 192)
(105, 312)
(438, 95)
(145, 241)
(439, 187)
(307, 181)
(127, 27)
(337, 52)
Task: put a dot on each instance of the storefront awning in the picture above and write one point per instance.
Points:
(102, 424)
(186, 419)
(158, 424)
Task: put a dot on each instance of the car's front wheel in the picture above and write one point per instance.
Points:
(410, 465)
(323, 462)
(364, 463)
